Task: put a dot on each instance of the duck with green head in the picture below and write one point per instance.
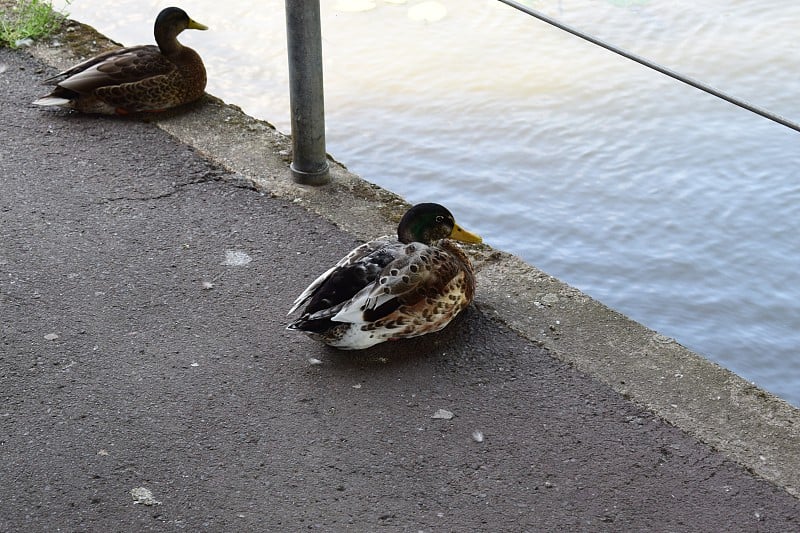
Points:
(137, 78)
(392, 288)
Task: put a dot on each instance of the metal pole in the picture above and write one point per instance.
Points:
(304, 39)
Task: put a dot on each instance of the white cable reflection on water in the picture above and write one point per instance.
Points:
(673, 207)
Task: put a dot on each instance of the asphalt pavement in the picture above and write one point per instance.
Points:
(149, 383)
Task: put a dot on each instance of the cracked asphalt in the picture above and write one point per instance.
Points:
(136, 358)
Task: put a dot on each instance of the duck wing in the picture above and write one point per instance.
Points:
(417, 272)
(126, 65)
(347, 277)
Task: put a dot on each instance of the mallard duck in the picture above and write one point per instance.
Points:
(392, 288)
(137, 78)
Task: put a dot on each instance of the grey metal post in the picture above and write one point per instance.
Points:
(304, 38)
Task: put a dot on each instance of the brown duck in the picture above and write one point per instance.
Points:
(137, 78)
(392, 287)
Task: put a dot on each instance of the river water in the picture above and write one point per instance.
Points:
(669, 205)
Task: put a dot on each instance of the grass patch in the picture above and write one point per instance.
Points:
(28, 19)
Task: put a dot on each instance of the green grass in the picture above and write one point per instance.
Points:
(25, 19)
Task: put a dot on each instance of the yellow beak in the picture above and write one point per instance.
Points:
(463, 235)
(196, 25)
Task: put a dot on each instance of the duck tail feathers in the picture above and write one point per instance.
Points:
(52, 100)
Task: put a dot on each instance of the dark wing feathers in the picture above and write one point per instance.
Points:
(328, 293)
(418, 271)
(116, 68)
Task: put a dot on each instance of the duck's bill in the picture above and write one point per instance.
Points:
(194, 25)
(460, 234)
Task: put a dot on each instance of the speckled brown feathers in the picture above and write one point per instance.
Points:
(390, 288)
(430, 302)
(138, 78)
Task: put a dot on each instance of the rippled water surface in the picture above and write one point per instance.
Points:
(670, 205)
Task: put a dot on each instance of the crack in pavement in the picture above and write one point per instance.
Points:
(207, 177)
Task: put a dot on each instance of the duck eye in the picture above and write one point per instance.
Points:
(439, 218)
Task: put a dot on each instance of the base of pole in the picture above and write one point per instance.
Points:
(319, 177)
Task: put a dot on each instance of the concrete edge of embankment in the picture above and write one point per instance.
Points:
(753, 427)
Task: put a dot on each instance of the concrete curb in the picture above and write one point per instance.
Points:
(753, 427)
